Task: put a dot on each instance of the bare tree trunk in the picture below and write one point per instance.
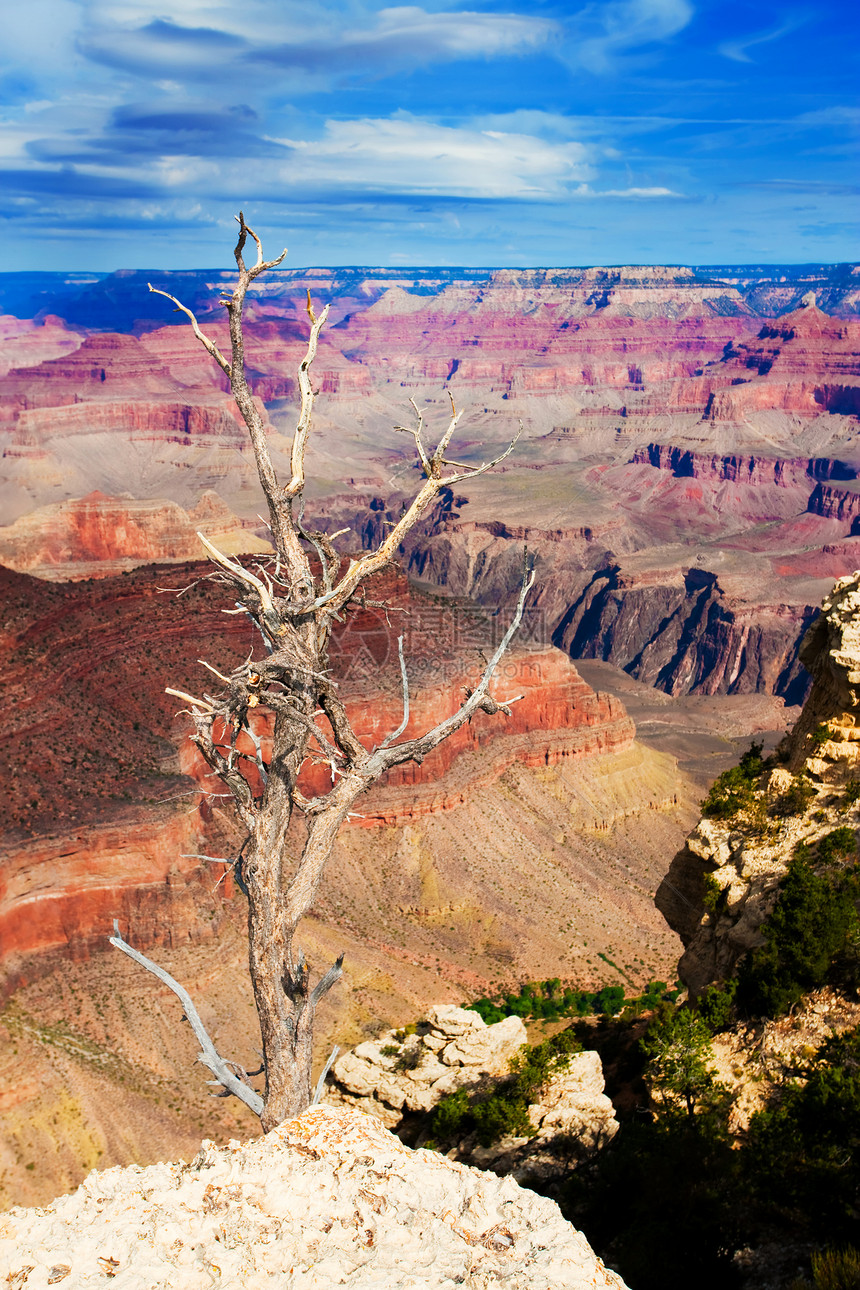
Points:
(294, 603)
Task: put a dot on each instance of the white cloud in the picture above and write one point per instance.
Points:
(408, 155)
(602, 33)
(736, 50)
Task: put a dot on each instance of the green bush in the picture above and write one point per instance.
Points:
(852, 791)
(716, 1005)
(795, 799)
(803, 1154)
(711, 892)
(734, 790)
(504, 1110)
(819, 736)
(812, 924)
(838, 845)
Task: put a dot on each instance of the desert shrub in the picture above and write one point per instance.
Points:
(837, 845)
(504, 1110)
(711, 892)
(836, 1269)
(852, 791)
(819, 736)
(409, 1059)
(716, 1005)
(734, 790)
(795, 799)
(810, 927)
(390, 1050)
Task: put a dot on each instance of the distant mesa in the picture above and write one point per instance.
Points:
(98, 536)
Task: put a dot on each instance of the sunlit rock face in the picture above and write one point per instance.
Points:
(96, 536)
(327, 1197)
(747, 865)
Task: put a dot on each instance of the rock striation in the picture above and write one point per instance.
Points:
(107, 805)
(823, 748)
(326, 1198)
(98, 536)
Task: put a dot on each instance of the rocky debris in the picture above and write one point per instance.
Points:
(744, 864)
(454, 1048)
(398, 1072)
(326, 1198)
(573, 1118)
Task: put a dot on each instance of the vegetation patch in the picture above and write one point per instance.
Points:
(504, 1110)
(810, 938)
(552, 1001)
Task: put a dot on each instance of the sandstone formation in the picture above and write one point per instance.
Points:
(328, 1197)
(108, 808)
(747, 865)
(97, 536)
(667, 413)
(573, 1119)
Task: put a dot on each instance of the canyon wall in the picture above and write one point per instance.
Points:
(674, 421)
(108, 804)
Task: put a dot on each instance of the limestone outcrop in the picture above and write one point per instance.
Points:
(572, 1118)
(454, 1048)
(746, 864)
(326, 1198)
(398, 1073)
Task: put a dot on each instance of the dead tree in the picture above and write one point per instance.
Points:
(294, 603)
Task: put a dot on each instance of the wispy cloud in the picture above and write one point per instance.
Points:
(605, 32)
(737, 50)
(321, 47)
(412, 156)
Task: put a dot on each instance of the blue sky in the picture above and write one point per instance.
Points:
(483, 133)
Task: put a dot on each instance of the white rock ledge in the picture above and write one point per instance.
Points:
(329, 1199)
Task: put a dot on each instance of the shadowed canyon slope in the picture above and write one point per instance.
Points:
(686, 474)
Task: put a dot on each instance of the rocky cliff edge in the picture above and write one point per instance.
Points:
(327, 1198)
(735, 865)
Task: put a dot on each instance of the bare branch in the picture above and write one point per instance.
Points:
(201, 336)
(241, 574)
(214, 671)
(297, 456)
(326, 982)
(477, 700)
(404, 680)
(320, 1088)
(209, 1057)
(203, 704)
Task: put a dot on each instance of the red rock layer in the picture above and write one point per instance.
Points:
(96, 536)
(103, 819)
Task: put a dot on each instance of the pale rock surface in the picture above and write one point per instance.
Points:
(453, 1047)
(573, 1118)
(328, 1199)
